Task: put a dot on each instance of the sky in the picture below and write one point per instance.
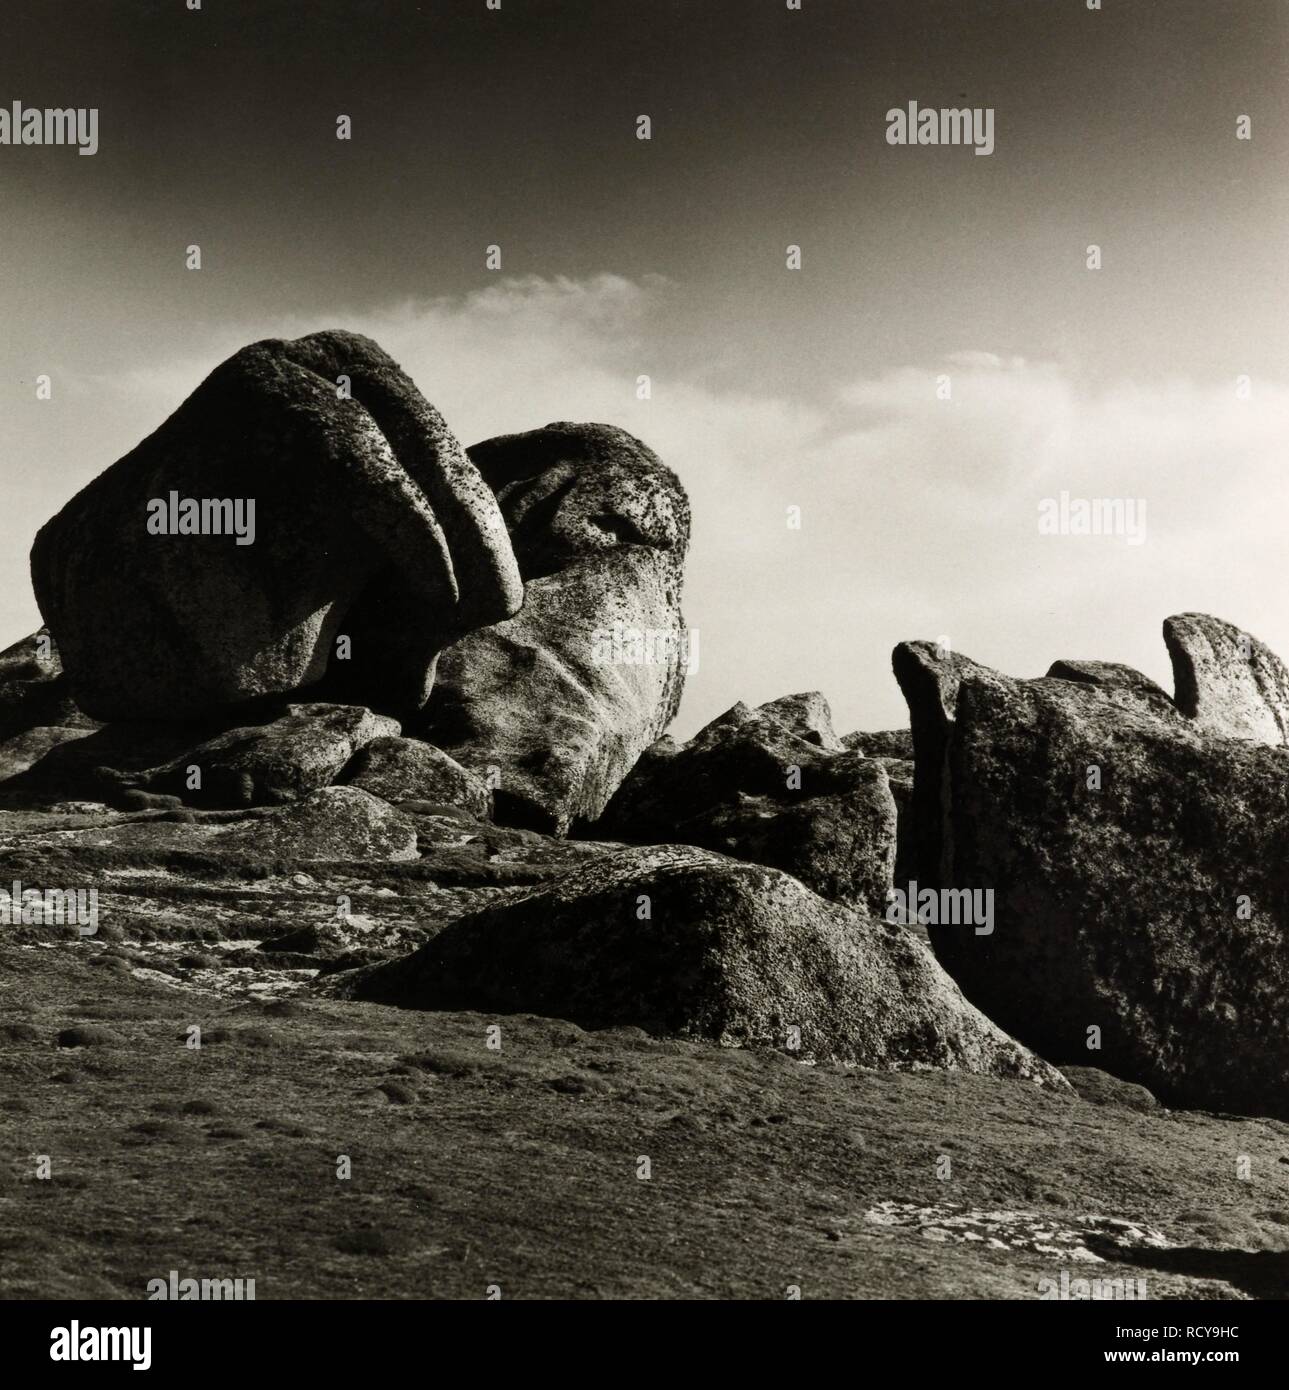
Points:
(1163, 375)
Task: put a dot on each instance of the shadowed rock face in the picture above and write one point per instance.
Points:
(729, 951)
(270, 764)
(34, 692)
(1228, 682)
(771, 785)
(929, 678)
(1150, 900)
(569, 491)
(369, 522)
(600, 529)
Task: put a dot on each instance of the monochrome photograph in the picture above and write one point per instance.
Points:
(641, 661)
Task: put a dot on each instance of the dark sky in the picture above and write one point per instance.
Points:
(473, 126)
(517, 127)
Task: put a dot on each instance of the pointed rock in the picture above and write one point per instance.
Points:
(408, 769)
(1229, 683)
(806, 715)
(929, 677)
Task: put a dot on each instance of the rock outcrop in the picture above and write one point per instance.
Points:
(774, 786)
(268, 764)
(807, 715)
(895, 744)
(34, 691)
(335, 823)
(303, 494)
(21, 752)
(559, 701)
(675, 940)
(409, 770)
(1229, 683)
(1137, 867)
(1112, 675)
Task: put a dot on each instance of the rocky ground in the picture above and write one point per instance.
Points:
(519, 1166)
(416, 958)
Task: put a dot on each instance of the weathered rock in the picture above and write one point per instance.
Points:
(1148, 899)
(733, 952)
(89, 764)
(562, 698)
(1100, 1088)
(31, 659)
(807, 715)
(1115, 676)
(136, 799)
(900, 778)
(369, 523)
(334, 823)
(327, 939)
(34, 691)
(1229, 683)
(747, 785)
(266, 764)
(410, 770)
(569, 491)
(929, 677)
(23, 751)
(884, 743)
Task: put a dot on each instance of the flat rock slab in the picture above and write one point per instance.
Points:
(335, 823)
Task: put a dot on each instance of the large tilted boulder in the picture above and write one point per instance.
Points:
(564, 697)
(1228, 682)
(930, 676)
(369, 524)
(680, 941)
(771, 785)
(1139, 872)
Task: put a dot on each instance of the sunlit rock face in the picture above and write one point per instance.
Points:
(556, 704)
